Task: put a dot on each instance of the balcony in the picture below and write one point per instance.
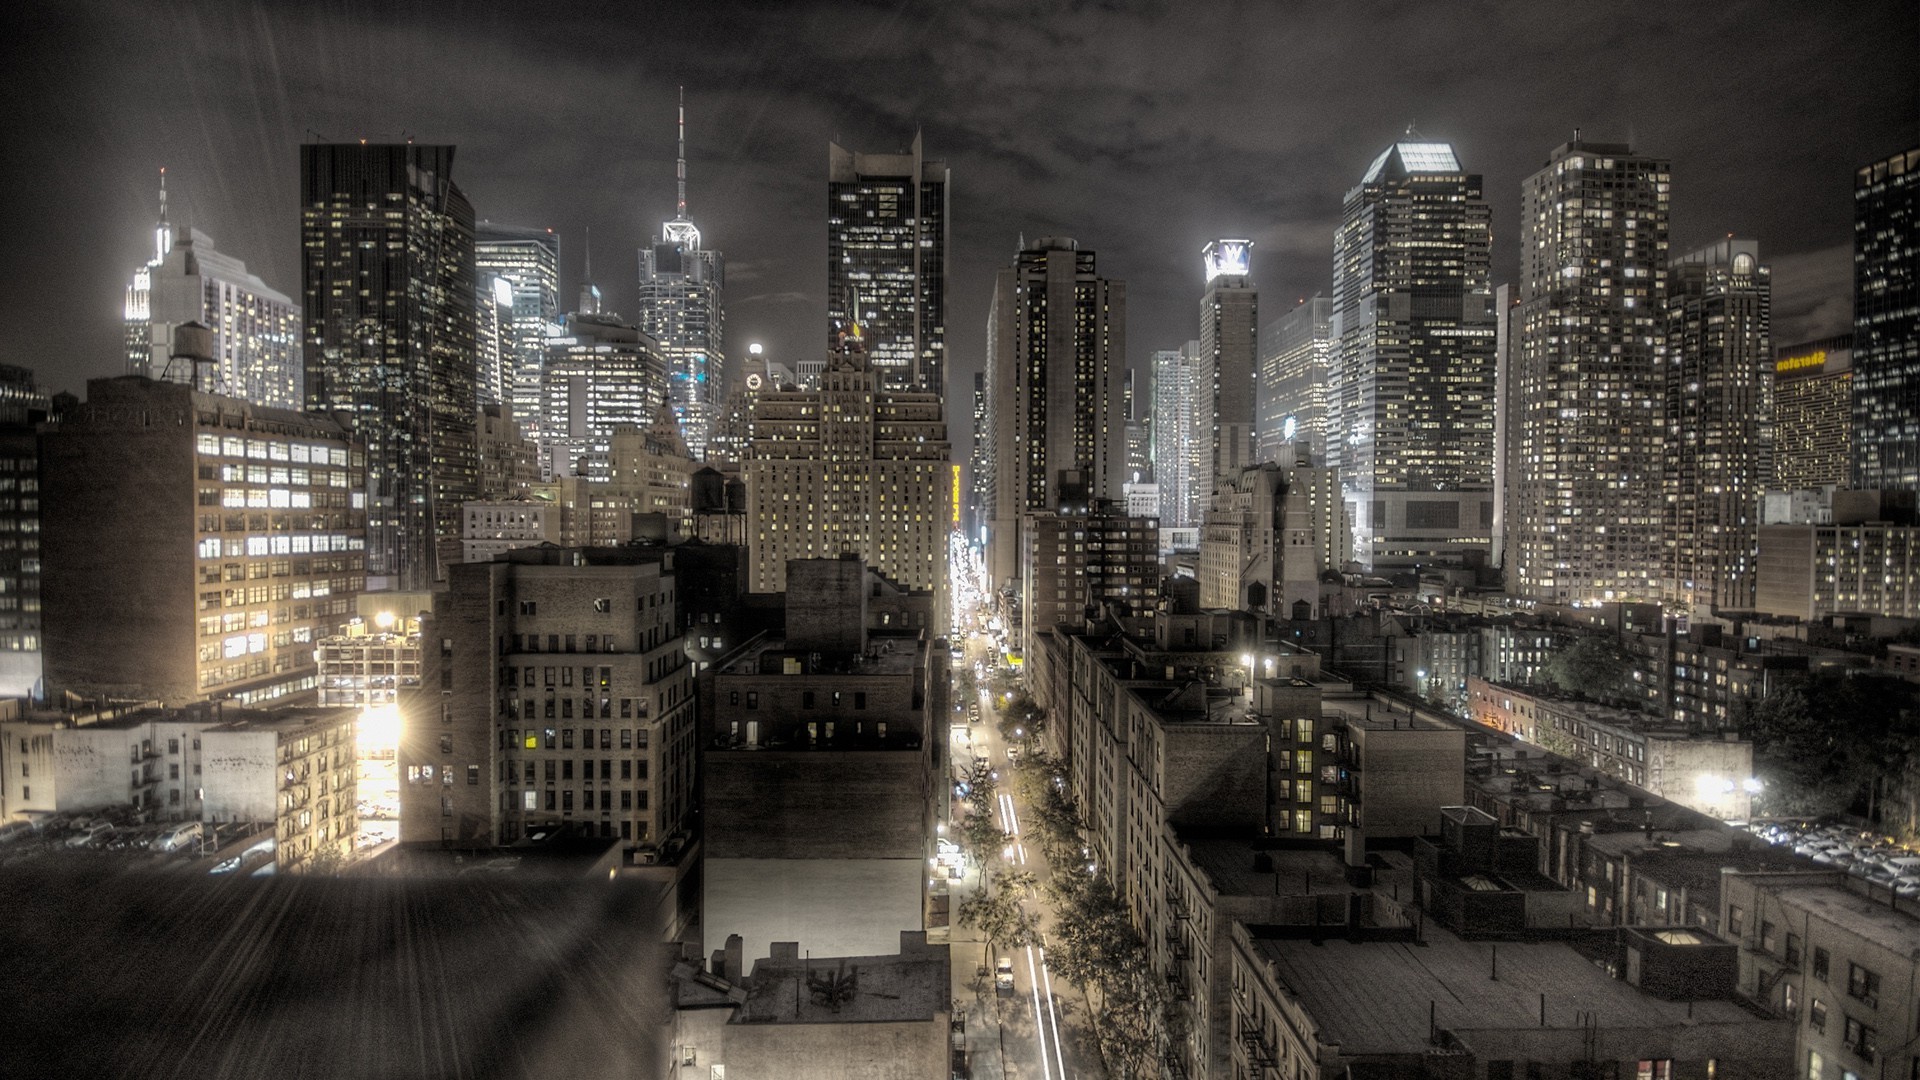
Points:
(1259, 1053)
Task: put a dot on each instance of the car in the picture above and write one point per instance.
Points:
(1003, 976)
(183, 837)
(92, 836)
(1013, 754)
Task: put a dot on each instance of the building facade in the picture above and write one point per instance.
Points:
(229, 538)
(1229, 349)
(1583, 507)
(681, 307)
(1411, 391)
(851, 468)
(1270, 533)
(1296, 355)
(397, 359)
(1719, 421)
(600, 374)
(1812, 414)
(887, 262)
(584, 723)
(1886, 323)
(528, 261)
(1102, 556)
(1174, 441)
(1056, 355)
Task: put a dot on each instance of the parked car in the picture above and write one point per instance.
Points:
(90, 836)
(182, 837)
(1003, 976)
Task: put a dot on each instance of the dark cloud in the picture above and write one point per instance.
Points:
(1141, 129)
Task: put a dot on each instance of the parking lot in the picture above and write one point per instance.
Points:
(1872, 857)
(125, 835)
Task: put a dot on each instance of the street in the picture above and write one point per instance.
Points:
(1036, 1031)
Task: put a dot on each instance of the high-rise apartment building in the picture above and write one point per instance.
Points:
(601, 373)
(1056, 353)
(681, 308)
(554, 695)
(1290, 395)
(1411, 400)
(1813, 414)
(386, 238)
(1718, 322)
(23, 407)
(1229, 328)
(528, 262)
(1175, 442)
(887, 259)
(195, 544)
(1586, 409)
(255, 353)
(849, 469)
(1886, 324)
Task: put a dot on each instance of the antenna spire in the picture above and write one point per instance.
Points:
(162, 232)
(680, 164)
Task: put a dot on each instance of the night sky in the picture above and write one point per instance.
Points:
(1140, 129)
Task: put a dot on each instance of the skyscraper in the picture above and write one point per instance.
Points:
(980, 464)
(1718, 322)
(1056, 352)
(1886, 323)
(887, 252)
(1229, 321)
(1296, 352)
(874, 482)
(1410, 406)
(528, 261)
(600, 374)
(681, 308)
(1584, 515)
(256, 329)
(1174, 440)
(387, 242)
(1813, 414)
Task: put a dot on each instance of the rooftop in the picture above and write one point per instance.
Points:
(1340, 984)
(887, 654)
(910, 985)
(1873, 920)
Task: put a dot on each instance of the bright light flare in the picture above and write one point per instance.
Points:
(378, 732)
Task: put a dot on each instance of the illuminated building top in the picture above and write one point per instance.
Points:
(680, 230)
(1415, 157)
(1232, 258)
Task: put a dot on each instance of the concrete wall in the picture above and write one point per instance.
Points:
(871, 1051)
(819, 804)
(826, 605)
(831, 906)
(241, 775)
(1406, 776)
(1215, 774)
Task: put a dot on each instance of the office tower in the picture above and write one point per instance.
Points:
(1813, 414)
(1229, 321)
(492, 321)
(733, 431)
(1886, 324)
(980, 465)
(1296, 353)
(1056, 350)
(1410, 405)
(256, 329)
(1174, 439)
(558, 698)
(874, 483)
(1137, 463)
(1718, 326)
(887, 253)
(1506, 330)
(681, 308)
(387, 242)
(23, 407)
(601, 373)
(195, 544)
(1584, 507)
(528, 261)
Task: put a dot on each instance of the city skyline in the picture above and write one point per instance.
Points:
(1144, 174)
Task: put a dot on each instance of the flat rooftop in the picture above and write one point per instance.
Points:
(1343, 986)
(1873, 920)
(911, 985)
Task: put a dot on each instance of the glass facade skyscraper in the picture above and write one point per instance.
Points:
(1410, 404)
(1296, 351)
(528, 260)
(887, 253)
(1886, 324)
(386, 239)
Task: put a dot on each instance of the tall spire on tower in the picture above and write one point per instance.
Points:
(589, 292)
(162, 232)
(680, 230)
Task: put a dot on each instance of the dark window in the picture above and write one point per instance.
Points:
(566, 738)
(528, 607)
(1859, 1039)
(859, 699)
(1863, 984)
(806, 699)
(1820, 964)
(1817, 1015)
(753, 700)
(473, 774)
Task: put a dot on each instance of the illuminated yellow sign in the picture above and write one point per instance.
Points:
(1817, 358)
(956, 493)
